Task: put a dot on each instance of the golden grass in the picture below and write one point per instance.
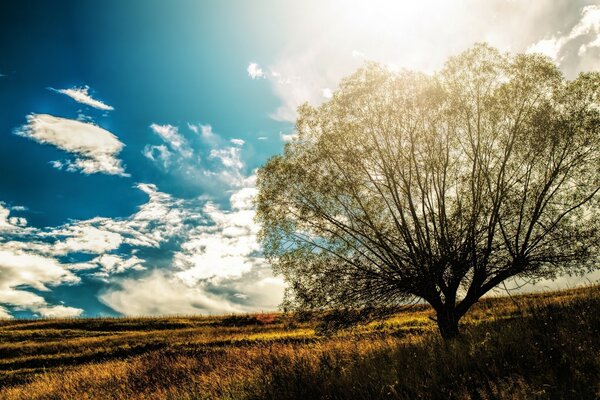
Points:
(532, 346)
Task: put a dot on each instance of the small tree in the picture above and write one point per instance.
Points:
(437, 187)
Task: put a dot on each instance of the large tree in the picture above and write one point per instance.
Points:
(437, 187)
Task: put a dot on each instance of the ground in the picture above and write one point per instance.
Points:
(529, 346)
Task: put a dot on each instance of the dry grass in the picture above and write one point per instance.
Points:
(534, 346)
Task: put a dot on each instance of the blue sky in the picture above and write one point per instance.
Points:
(130, 132)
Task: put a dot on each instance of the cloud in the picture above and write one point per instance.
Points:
(228, 248)
(59, 311)
(84, 238)
(19, 270)
(255, 71)
(114, 264)
(218, 269)
(229, 157)
(420, 36)
(579, 49)
(171, 136)
(95, 148)
(159, 154)
(211, 261)
(81, 95)
(161, 294)
(201, 160)
(8, 223)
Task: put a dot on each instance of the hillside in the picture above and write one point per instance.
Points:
(529, 346)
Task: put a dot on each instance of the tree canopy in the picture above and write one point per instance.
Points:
(437, 187)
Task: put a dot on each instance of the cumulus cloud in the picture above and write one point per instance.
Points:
(211, 258)
(161, 294)
(95, 148)
(31, 257)
(218, 269)
(81, 95)
(227, 248)
(85, 238)
(8, 223)
(255, 71)
(19, 270)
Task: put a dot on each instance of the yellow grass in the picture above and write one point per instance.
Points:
(505, 342)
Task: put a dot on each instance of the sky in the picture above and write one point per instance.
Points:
(131, 131)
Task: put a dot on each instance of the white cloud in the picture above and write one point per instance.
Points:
(225, 249)
(218, 270)
(579, 49)
(81, 95)
(327, 93)
(229, 156)
(421, 35)
(170, 135)
(96, 149)
(193, 128)
(84, 238)
(59, 165)
(59, 311)
(19, 270)
(158, 153)
(114, 264)
(213, 161)
(216, 264)
(7, 222)
(255, 71)
(161, 294)
(207, 132)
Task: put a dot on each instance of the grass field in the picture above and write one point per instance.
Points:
(525, 347)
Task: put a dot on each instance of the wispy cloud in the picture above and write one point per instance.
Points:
(201, 157)
(171, 136)
(82, 95)
(96, 149)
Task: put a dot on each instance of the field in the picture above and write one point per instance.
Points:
(523, 347)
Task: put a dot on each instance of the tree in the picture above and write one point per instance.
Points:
(436, 187)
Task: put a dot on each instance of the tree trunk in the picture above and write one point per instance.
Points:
(447, 320)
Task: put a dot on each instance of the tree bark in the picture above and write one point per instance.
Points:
(447, 320)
